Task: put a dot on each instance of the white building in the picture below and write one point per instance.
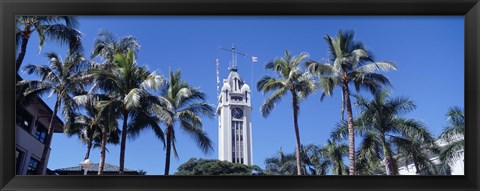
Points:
(234, 121)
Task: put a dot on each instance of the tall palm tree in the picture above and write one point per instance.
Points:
(291, 79)
(453, 135)
(110, 48)
(61, 79)
(349, 63)
(334, 153)
(380, 121)
(185, 105)
(128, 85)
(60, 28)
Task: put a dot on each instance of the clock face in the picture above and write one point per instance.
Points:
(237, 113)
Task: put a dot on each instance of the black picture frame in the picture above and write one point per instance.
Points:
(9, 8)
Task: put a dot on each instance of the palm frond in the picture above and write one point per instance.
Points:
(198, 134)
(41, 35)
(267, 84)
(142, 120)
(44, 72)
(204, 109)
(327, 84)
(134, 97)
(371, 82)
(452, 152)
(153, 81)
(318, 69)
(413, 128)
(65, 35)
(376, 66)
(35, 87)
(271, 101)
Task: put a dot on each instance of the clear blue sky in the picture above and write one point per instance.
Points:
(429, 53)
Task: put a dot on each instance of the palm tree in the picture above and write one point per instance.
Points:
(60, 28)
(100, 119)
(283, 164)
(334, 153)
(418, 151)
(453, 135)
(97, 126)
(290, 79)
(312, 162)
(380, 121)
(61, 79)
(107, 46)
(110, 49)
(127, 86)
(369, 154)
(349, 63)
(186, 105)
(85, 128)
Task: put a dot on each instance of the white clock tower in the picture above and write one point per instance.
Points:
(234, 121)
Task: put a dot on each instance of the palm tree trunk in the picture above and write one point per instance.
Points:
(389, 167)
(89, 147)
(48, 140)
(297, 132)
(123, 142)
(169, 147)
(351, 137)
(23, 50)
(342, 113)
(417, 170)
(102, 150)
(339, 169)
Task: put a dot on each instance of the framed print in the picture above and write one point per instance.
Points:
(239, 95)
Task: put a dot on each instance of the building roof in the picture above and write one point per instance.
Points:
(94, 168)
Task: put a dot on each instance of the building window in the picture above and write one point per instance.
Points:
(32, 166)
(24, 119)
(41, 133)
(18, 160)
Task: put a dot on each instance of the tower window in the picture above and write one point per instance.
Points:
(237, 149)
(246, 96)
(226, 95)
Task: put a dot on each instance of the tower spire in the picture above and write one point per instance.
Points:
(233, 65)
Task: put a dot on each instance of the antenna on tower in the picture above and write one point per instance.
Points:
(218, 77)
(234, 56)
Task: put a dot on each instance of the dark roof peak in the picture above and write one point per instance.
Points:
(94, 167)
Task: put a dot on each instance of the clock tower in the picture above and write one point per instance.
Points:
(234, 121)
